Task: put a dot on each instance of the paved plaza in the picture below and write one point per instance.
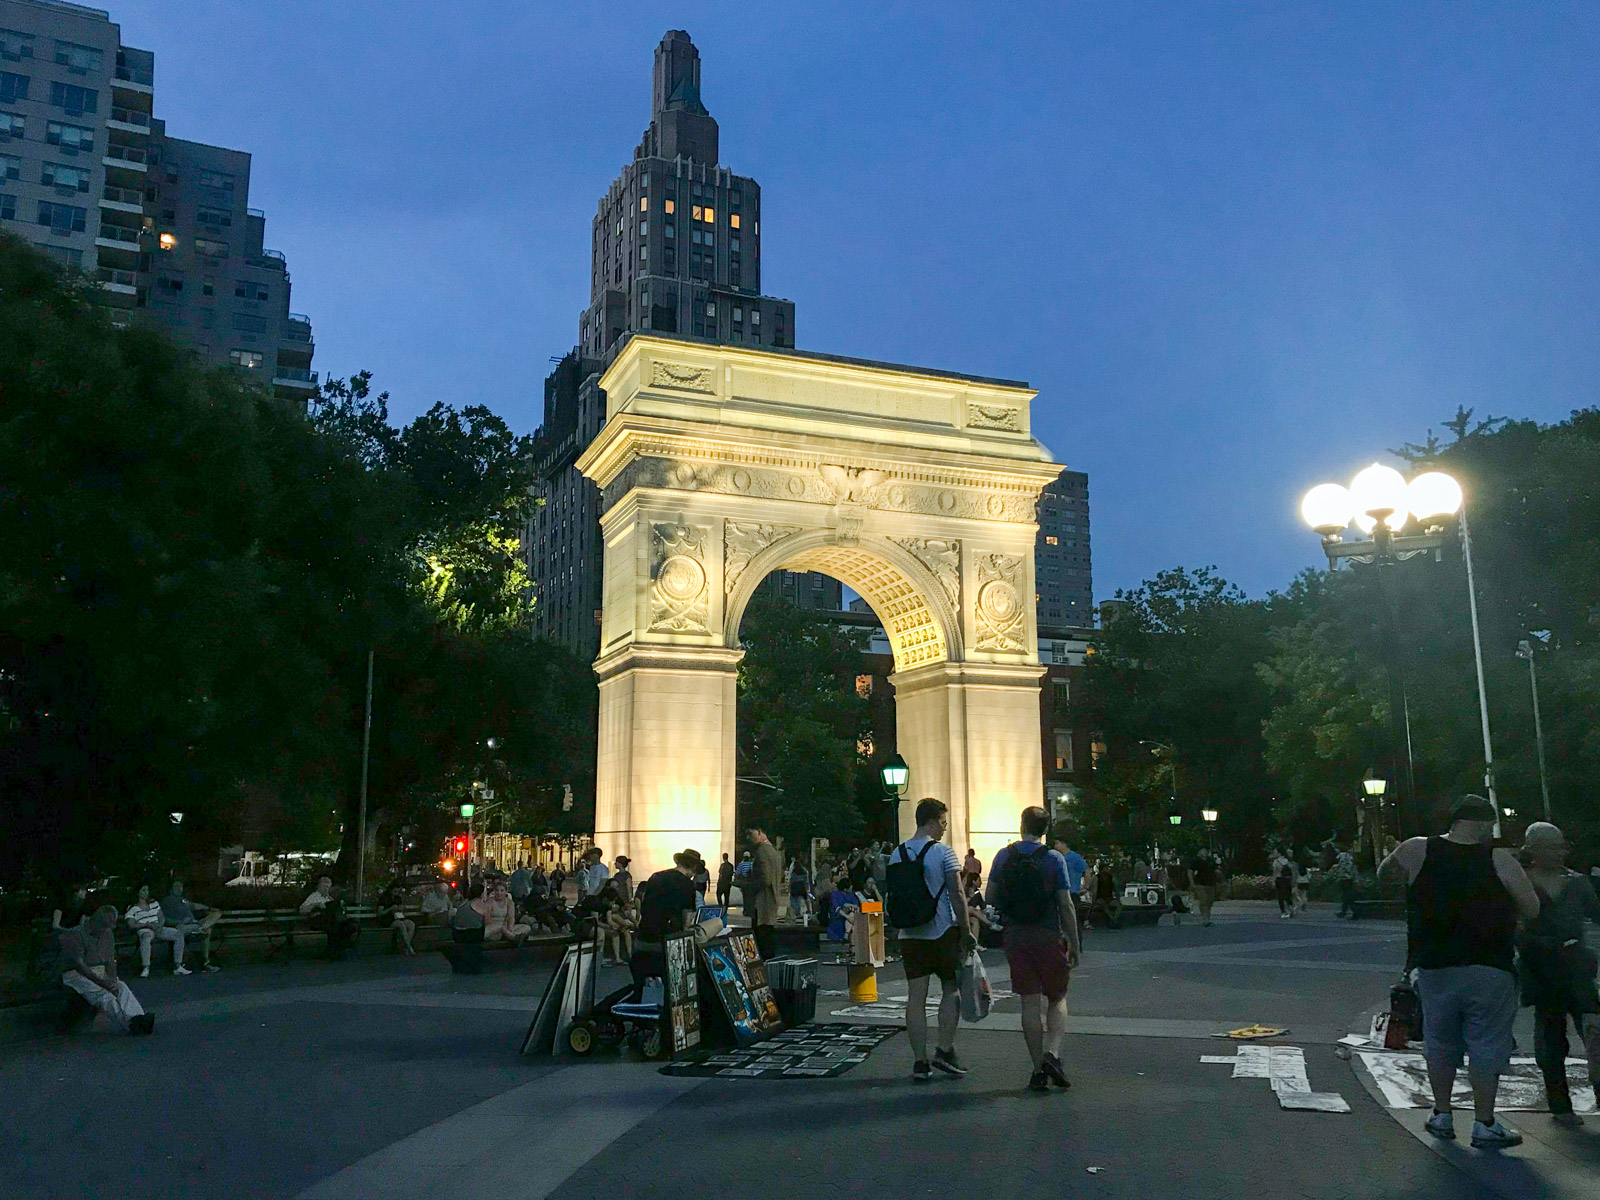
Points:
(393, 1078)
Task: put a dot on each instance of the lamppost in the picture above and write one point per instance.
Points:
(894, 774)
(1525, 651)
(1172, 765)
(1380, 503)
(1209, 816)
(1374, 786)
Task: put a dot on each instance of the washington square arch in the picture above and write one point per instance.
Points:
(720, 464)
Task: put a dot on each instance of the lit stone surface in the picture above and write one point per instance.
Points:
(721, 464)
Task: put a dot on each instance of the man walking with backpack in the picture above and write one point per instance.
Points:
(1029, 884)
(925, 903)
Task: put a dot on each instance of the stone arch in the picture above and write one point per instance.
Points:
(918, 617)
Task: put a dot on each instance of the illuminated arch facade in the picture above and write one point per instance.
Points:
(718, 465)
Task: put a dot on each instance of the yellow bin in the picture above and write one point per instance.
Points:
(863, 983)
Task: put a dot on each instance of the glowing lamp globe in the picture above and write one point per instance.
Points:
(1208, 815)
(1380, 490)
(1433, 495)
(1327, 508)
(895, 773)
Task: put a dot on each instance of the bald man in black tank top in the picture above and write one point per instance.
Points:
(1464, 896)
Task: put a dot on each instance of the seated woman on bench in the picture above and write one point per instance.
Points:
(500, 915)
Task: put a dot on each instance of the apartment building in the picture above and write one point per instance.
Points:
(90, 176)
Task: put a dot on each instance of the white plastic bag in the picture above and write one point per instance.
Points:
(976, 998)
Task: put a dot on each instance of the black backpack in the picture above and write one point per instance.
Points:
(1026, 894)
(908, 902)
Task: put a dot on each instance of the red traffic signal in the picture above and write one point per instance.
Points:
(461, 845)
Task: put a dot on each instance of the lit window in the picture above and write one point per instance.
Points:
(711, 215)
(863, 686)
(669, 206)
(644, 203)
(248, 359)
(734, 220)
(864, 746)
(1063, 750)
(697, 213)
(1050, 540)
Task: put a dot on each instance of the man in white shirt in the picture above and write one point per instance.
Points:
(148, 923)
(938, 947)
(593, 876)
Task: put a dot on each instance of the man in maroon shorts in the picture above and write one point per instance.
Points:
(1028, 884)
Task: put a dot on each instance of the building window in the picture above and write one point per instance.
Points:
(644, 253)
(213, 216)
(62, 176)
(167, 241)
(8, 207)
(863, 686)
(738, 313)
(70, 138)
(215, 180)
(12, 87)
(1050, 539)
(249, 359)
(63, 218)
(210, 248)
(1063, 750)
(12, 125)
(669, 206)
(711, 310)
(644, 228)
(734, 220)
(1061, 689)
(73, 100)
(10, 166)
(15, 45)
(248, 289)
(644, 202)
(208, 289)
(755, 316)
(669, 230)
(81, 59)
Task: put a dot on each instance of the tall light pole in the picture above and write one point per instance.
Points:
(1525, 651)
(1175, 816)
(1380, 503)
(1374, 786)
(361, 825)
(1209, 816)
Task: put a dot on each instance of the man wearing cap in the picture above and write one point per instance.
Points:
(1465, 895)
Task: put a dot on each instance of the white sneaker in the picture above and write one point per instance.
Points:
(180, 969)
(145, 974)
(1442, 1125)
(1498, 1136)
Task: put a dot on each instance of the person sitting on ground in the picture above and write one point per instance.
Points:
(180, 913)
(436, 905)
(324, 912)
(90, 953)
(1557, 968)
(843, 904)
(148, 923)
(500, 915)
(799, 892)
(391, 910)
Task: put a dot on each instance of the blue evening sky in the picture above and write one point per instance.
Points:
(1238, 248)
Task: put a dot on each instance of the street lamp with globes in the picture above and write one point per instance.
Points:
(1209, 816)
(1381, 504)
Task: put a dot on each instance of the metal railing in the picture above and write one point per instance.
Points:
(130, 116)
(294, 375)
(123, 195)
(131, 75)
(127, 153)
(126, 278)
(119, 233)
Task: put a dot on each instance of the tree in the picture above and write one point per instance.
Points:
(801, 723)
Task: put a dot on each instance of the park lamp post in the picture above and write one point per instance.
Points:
(1380, 503)
(1209, 816)
(1525, 651)
(1374, 786)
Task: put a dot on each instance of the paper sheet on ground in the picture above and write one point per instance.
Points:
(1403, 1080)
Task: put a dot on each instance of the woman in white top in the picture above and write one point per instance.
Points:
(148, 924)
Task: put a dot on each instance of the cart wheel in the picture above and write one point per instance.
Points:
(650, 1044)
(580, 1039)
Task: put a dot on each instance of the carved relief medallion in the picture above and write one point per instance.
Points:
(999, 609)
(942, 556)
(681, 376)
(741, 542)
(679, 595)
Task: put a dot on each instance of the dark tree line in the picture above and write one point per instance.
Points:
(192, 575)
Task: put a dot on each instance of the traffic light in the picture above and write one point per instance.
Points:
(461, 845)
